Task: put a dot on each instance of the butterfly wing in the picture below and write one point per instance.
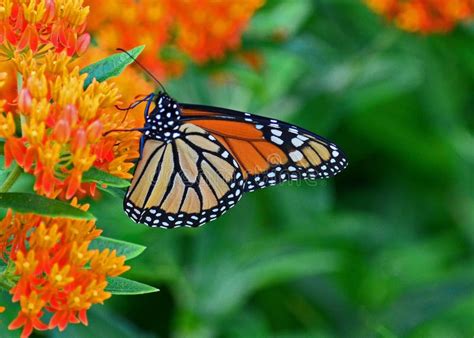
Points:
(187, 181)
(268, 151)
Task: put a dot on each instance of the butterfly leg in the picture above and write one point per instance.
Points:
(136, 103)
(150, 99)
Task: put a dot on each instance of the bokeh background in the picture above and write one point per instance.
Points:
(385, 249)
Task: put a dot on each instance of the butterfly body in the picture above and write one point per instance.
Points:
(162, 123)
(197, 161)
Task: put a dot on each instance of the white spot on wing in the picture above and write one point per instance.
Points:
(302, 138)
(277, 140)
(296, 142)
(296, 156)
(276, 132)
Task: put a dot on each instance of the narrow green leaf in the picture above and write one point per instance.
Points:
(124, 286)
(129, 250)
(31, 203)
(425, 303)
(110, 66)
(113, 191)
(102, 177)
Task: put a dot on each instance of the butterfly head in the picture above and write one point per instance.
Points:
(162, 123)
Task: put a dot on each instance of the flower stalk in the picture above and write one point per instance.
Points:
(14, 174)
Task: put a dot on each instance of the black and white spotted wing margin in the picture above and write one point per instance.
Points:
(187, 181)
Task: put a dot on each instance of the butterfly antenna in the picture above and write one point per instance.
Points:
(143, 67)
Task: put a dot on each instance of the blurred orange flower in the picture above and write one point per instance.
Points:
(62, 127)
(424, 16)
(180, 24)
(56, 272)
(35, 24)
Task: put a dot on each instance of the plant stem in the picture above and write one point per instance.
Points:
(11, 178)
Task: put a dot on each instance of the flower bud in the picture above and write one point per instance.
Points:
(94, 131)
(79, 141)
(62, 131)
(71, 114)
(24, 100)
(82, 43)
(50, 10)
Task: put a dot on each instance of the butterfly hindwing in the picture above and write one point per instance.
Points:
(187, 181)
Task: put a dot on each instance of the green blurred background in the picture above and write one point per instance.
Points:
(385, 249)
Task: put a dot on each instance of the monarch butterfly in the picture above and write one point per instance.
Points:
(197, 161)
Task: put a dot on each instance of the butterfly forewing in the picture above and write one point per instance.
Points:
(187, 181)
(268, 151)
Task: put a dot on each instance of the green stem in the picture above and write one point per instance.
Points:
(11, 178)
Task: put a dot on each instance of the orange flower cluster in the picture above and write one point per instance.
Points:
(424, 16)
(53, 127)
(57, 272)
(62, 127)
(36, 23)
(215, 26)
(202, 30)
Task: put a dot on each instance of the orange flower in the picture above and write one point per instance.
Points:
(35, 24)
(144, 22)
(162, 23)
(30, 314)
(63, 125)
(424, 16)
(57, 272)
(203, 39)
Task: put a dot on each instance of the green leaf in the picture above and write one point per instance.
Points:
(102, 177)
(110, 66)
(124, 286)
(31, 203)
(263, 24)
(113, 191)
(268, 266)
(129, 250)
(425, 303)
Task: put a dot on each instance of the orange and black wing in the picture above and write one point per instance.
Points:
(187, 181)
(268, 151)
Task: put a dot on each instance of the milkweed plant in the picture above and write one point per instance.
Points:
(55, 106)
(58, 101)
